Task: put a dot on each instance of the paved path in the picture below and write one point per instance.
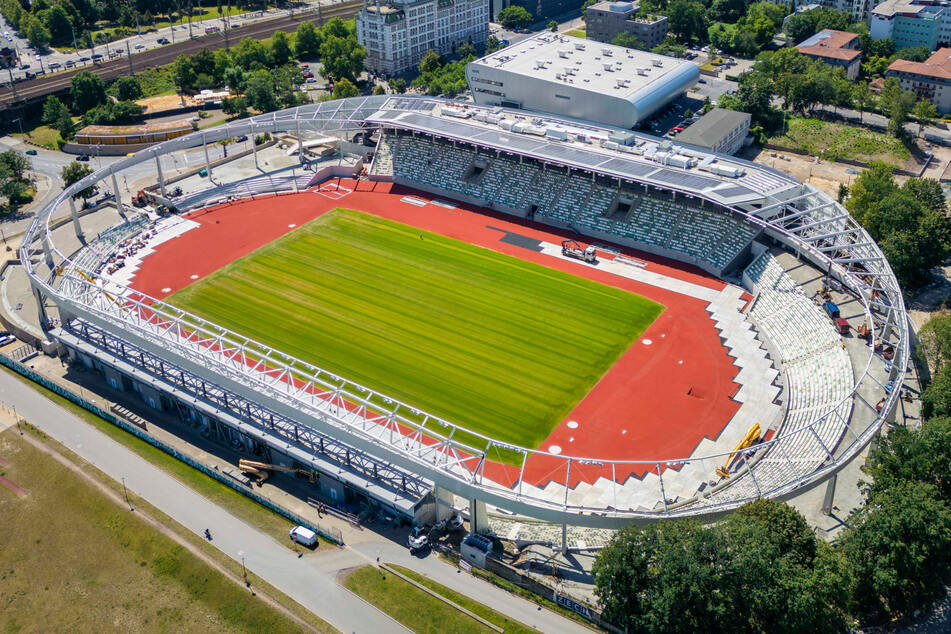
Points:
(314, 589)
(309, 580)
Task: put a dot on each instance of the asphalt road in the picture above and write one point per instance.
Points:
(38, 88)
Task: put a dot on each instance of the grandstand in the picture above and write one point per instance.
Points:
(766, 245)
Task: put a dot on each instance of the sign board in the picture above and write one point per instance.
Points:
(574, 606)
(465, 565)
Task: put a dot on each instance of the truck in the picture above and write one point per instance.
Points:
(572, 249)
(831, 310)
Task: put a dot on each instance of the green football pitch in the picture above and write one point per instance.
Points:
(492, 343)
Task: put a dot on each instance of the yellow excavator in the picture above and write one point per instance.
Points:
(261, 470)
(751, 438)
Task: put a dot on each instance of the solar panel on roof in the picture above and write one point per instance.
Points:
(625, 166)
(730, 192)
(684, 179)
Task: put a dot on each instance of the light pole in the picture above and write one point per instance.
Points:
(126, 492)
(244, 569)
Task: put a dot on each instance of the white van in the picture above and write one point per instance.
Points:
(303, 535)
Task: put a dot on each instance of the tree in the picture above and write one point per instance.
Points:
(492, 44)
(87, 91)
(280, 49)
(804, 25)
(260, 91)
(53, 109)
(628, 40)
(250, 54)
(128, 88)
(466, 49)
(935, 338)
(928, 192)
(897, 103)
(908, 222)
(553, 26)
(925, 112)
(224, 143)
(183, 73)
(234, 78)
(379, 89)
(344, 88)
(57, 23)
(14, 191)
(75, 172)
(431, 62)
(397, 85)
(237, 106)
(342, 57)
(307, 41)
(861, 97)
(35, 31)
(686, 19)
(514, 17)
(913, 455)
(15, 164)
(899, 551)
(936, 398)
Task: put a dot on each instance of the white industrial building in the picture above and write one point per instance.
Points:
(578, 78)
(397, 34)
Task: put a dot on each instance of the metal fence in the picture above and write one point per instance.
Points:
(329, 532)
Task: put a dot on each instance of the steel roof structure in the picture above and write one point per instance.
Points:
(806, 220)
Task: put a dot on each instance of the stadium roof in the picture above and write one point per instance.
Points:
(610, 151)
(603, 68)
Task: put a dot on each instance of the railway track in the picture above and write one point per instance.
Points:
(30, 91)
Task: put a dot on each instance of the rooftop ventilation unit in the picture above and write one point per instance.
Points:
(608, 66)
(657, 63)
(641, 71)
(579, 46)
(563, 52)
(607, 52)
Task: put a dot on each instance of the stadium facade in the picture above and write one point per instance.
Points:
(734, 219)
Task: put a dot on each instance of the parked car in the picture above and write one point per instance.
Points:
(55, 65)
(242, 138)
(31, 152)
(84, 59)
(139, 47)
(83, 157)
(308, 75)
(418, 538)
(303, 535)
(163, 40)
(70, 63)
(97, 57)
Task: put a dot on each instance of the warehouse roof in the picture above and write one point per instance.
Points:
(603, 68)
(713, 127)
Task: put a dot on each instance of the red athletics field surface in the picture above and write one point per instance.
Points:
(657, 402)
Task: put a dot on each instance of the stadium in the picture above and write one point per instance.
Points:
(397, 293)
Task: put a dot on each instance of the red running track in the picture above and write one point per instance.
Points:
(657, 402)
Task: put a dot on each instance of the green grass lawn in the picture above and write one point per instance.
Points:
(487, 613)
(493, 343)
(422, 612)
(833, 140)
(73, 560)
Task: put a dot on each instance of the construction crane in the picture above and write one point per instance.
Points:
(572, 249)
(261, 470)
(751, 438)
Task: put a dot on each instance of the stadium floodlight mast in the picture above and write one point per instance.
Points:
(807, 221)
